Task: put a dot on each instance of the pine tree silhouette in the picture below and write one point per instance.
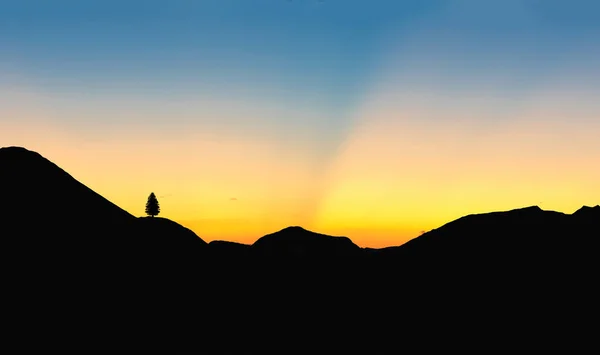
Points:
(152, 206)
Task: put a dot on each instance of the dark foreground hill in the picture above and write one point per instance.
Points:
(500, 240)
(81, 273)
(299, 243)
(50, 218)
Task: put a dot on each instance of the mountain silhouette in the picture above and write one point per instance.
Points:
(154, 230)
(223, 249)
(524, 234)
(36, 187)
(46, 209)
(588, 214)
(68, 248)
(297, 242)
(527, 249)
(161, 244)
(76, 261)
(49, 218)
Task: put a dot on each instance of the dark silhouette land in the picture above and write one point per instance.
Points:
(82, 273)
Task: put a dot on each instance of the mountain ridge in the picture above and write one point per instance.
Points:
(72, 270)
(29, 159)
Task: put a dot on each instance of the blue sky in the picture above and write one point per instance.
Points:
(322, 54)
(302, 46)
(298, 55)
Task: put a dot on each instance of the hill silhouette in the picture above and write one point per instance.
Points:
(587, 213)
(72, 254)
(49, 218)
(32, 185)
(225, 250)
(299, 243)
(47, 211)
(524, 234)
(76, 257)
(154, 230)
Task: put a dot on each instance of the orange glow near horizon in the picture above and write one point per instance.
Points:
(404, 167)
(386, 186)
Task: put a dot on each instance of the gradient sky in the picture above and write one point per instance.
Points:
(371, 119)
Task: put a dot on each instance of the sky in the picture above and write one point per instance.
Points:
(377, 120)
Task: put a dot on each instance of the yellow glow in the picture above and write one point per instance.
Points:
(402, 177)
(404, 169)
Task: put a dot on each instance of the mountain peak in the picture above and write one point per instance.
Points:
(533, 208)
(28, 176)
(20, 152)
(294, 229)
(14, 148)
(586, 210)
(297, 241)
(22, 161)
(158, 227)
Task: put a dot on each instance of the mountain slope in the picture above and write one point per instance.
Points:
(297, 242)
(75, 260)
(513, 243)
(33, 187)
(162, 240)
(77, 263)
(50, 218)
